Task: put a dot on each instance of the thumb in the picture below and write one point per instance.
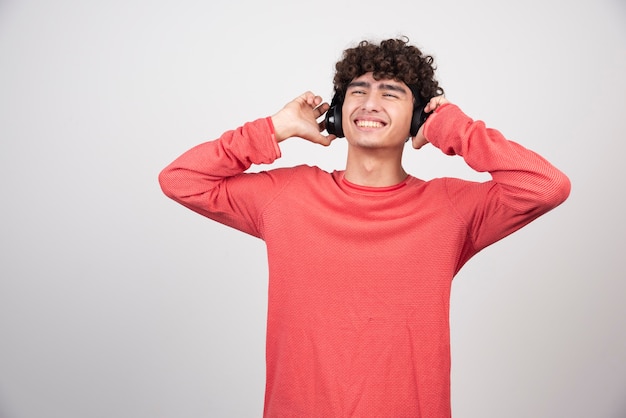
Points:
(419, 140)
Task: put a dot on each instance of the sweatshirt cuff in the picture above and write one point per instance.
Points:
(445, 128)
(270, 124)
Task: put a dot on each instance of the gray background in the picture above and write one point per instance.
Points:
(117, 302)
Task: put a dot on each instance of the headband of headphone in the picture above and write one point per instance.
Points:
(333, 118)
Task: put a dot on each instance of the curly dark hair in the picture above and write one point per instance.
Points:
(391, 59)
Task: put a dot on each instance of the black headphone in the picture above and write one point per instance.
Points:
(333, 115)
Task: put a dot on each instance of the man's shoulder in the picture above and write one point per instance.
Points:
(300, 174)
(302, 170)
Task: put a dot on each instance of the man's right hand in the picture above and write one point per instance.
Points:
(299, 119)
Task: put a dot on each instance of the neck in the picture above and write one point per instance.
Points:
(378, 169)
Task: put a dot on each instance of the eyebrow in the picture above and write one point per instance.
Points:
(383, 86)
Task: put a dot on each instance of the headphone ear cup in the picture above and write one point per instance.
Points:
(333, 121)
(419, 117)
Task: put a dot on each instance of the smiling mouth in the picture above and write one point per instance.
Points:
(369, 124)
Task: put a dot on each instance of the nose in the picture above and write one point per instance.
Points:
(371, 103)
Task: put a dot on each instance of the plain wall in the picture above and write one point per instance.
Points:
(116, 302)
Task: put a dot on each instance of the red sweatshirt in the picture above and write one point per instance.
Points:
(360, 277)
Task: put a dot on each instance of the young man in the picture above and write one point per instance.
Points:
(361, 260)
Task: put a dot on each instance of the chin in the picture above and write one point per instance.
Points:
(371, 143)
(365, 142)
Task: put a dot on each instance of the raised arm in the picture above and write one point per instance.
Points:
(209, 178)
(524, 185)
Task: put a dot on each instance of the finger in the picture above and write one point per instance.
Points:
(433, 103)
(418, 143)
(321, 125)
(326, 140)
(439, 101)
(312, 100)
(307, 97)
(419, 140)
(321, 109)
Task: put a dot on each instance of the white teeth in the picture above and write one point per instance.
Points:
(369, 124)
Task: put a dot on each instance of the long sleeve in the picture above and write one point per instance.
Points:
(208, 178)
(524, 184)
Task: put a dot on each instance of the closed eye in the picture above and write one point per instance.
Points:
(358, 87)
(393, 90)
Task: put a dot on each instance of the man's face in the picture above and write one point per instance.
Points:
(377, 113)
